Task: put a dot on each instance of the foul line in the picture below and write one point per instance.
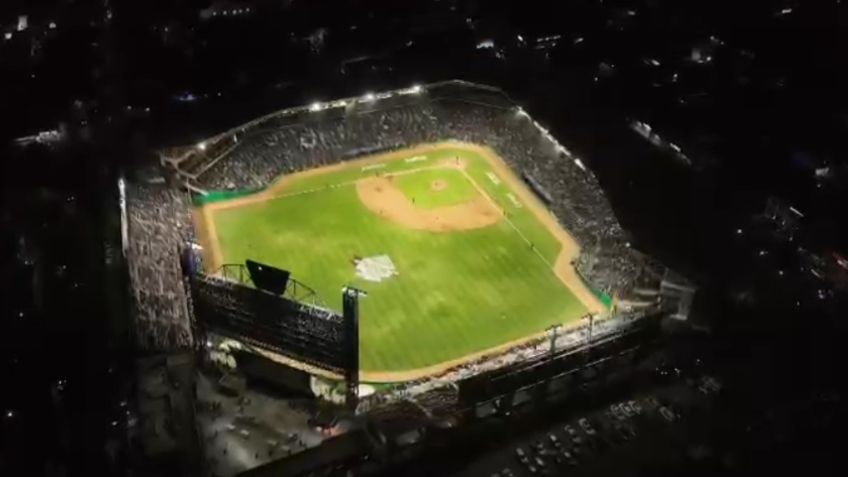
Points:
(510, 222)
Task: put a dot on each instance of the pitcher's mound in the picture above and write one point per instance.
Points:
(438, 185)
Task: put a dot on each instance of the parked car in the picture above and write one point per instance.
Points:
(521, 455)
(709, 385)
(586, 426)
(635, 406)
(667, 414)
(617, 413)
(554, 440)
(538, 446)
(571, 432)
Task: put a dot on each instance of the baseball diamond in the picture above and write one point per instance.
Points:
(458, 257)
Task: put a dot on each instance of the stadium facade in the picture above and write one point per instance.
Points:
(177, 304)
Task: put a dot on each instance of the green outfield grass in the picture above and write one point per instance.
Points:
(455, 293)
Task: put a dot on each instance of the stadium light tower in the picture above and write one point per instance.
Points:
(416, 89)
(554, 331)
(202, 146)
(350, 313)
(316, 106)
(368, 96)
(579, 163)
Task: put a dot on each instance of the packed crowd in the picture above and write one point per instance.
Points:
(157, 226)
(261, 155)
(613, 268)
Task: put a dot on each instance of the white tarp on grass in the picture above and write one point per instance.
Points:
(375, 269)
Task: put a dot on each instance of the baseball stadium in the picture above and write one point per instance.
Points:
(381, 246)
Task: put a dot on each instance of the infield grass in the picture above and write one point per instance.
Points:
(419, 188)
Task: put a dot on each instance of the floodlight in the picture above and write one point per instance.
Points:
(579, 164)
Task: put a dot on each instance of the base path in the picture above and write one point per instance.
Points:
(380, 196)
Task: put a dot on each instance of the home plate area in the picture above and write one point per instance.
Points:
(375, 269)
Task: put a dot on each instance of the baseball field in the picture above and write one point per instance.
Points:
(458, 257)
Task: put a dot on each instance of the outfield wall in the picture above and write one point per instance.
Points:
(221, 196)
(603, 297)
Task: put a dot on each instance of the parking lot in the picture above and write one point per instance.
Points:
(619, 438)
(242, 432)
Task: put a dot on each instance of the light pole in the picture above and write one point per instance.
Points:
(553, 329)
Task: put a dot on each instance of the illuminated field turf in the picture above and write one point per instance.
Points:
(437, 236)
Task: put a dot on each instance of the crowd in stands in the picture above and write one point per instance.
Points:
(613, 269)
(261, 155)
(157, 226)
